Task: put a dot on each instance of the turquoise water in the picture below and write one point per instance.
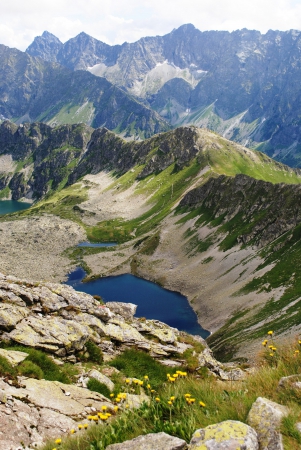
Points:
(97, 244)
(153, 301)
(10, 206)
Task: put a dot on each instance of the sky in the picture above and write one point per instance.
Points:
(118, 21)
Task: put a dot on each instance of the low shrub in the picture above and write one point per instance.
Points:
(95, 353)
(6, 369)
(137, 364)
(30, 369)
(97, 386)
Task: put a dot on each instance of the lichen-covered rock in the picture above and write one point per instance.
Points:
(290, 382)
(29, 425)
(14, 357)
(153, 441)
(227, 435)
(50, 333)
(65, 399)
(135, 400)
(10, 315)
(125, 310)
(122, 332)
(101, 378)
(162, 331)
(265, 417)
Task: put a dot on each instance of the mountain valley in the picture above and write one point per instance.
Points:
(190, 210)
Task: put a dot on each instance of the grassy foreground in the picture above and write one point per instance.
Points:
(188, 401)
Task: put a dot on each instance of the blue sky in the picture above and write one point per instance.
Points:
(117, 21)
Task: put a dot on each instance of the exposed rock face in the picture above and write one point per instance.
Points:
(38, 88)
(40, 409)
(230, 435)
(153, 441)
(125, 310)
(265, 417)
(269, 209)
(60, 320)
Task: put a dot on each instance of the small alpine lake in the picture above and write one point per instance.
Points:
(11, 206)
(97, 244)
(153, 301)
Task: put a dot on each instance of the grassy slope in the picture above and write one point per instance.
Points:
(220, 401)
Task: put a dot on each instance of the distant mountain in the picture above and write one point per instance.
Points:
(244, 85)
(35, 90)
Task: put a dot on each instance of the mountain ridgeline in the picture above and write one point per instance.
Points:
(244, 84)
(37, 90)
(41, 159)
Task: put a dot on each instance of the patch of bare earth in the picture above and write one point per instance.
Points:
(107, 204)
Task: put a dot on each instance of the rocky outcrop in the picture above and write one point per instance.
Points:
(38, 409)
(153, 441)
(59, 320)
(229, 434)
(269, 209)
(265, 417)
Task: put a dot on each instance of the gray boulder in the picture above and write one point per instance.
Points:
(265, 417)
(125, 310)
(153, 441)
(227, 435)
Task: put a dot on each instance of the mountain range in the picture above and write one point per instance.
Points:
(244, 84)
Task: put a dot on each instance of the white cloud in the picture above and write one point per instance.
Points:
(119, 20)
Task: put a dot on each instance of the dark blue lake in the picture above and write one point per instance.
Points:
(10, 206)
(153, 301)
(97, 244)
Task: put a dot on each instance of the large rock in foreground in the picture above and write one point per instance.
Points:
(265, 417)
(227, 435)
(153, 441)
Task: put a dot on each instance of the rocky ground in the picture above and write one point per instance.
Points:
(59, 320)
(32, 247)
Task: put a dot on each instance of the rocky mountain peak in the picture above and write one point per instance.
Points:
(46, 47)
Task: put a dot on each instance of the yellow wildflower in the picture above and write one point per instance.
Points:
(297, 351)
(172, 398)
(90, 417)
(152, 391)
(127, 406)
(270, 332)
(111, 395)
(187, 395)
(157, 399)
(148, 386)
(146, 377)
(104, 408)
(127, 381)
(169, 402)
(116, 408)
(85, 425)
(72, 431)
(80, 426)
(271, 354)
(58, 441)
(202, 404)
